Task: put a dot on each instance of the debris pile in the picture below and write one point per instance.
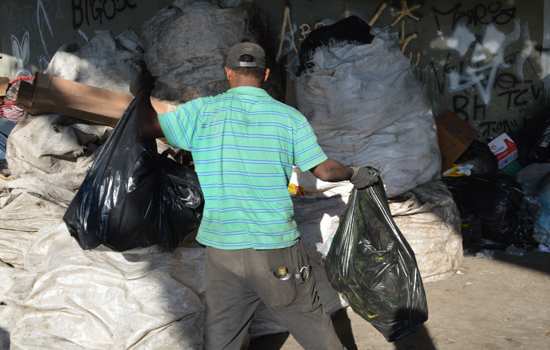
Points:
(141, 298)
(368, 109)
(363, 103)
(190, 66)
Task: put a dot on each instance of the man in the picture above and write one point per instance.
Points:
(244, 144)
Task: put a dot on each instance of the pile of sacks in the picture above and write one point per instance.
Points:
(367, 108)
(427, 217)
(185, 46)
(53, 294)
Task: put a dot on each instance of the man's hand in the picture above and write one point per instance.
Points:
(364, 177)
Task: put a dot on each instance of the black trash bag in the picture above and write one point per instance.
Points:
(533, 140)
(132, 196)
(540, 150)
(480, 157)
(351, 30)
(371, 263)
(497, 202)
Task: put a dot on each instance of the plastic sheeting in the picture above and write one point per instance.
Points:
(68, 298)
(105, 61)
(427, 216)
(132, 196)
(367, 108)
(372, 264)
(54, 149)
(54, 295)
(496, 202)
(185, 47)
(24, 210)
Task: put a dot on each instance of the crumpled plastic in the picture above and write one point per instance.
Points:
(367, 108)
(132, 196)
(373, 266)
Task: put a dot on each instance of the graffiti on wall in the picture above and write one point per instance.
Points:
(98, 11)
(44, 27)
(83, 12)
(20, 49)
(480, 14)
(291, 35)
(402, 15)
(487, 59)
(20, 46)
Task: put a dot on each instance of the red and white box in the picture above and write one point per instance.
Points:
(505, 149)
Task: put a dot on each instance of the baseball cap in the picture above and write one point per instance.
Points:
(235, 60)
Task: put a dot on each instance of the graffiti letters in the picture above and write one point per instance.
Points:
(487, 59)
(469, 107)
(481, 14)
(20, 50)
(41, 20)
(516, 92)
(98, 11)
(489, 128)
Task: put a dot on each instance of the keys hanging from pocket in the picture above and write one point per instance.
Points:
(303, 273)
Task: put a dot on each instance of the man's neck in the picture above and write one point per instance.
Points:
(244, 83)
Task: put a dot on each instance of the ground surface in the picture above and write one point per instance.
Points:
(497, 303)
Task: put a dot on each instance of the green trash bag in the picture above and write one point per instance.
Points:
(373, 266)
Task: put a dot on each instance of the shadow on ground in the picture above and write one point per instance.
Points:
(419, 340)
(537, 261)
(342, 325)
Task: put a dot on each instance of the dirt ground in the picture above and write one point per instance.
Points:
(491, 303)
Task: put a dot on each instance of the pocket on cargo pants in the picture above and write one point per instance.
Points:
(277, 293)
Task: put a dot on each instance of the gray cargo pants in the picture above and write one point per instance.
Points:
(238, 280)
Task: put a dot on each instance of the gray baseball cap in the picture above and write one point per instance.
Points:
(234, 56)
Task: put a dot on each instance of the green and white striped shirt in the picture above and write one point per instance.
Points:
(244, 144)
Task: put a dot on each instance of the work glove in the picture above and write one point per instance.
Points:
(364, 177)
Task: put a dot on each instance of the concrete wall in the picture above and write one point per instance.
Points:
(32, 30)
(481, 61)
(495, 83)
(488, 69)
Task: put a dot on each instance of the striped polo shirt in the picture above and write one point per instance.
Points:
(244, 144)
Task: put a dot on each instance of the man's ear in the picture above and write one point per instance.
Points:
(266, 74)
(228, 73)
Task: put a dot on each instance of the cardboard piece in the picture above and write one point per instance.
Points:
(4, 83)
(49, 94)
(455, 136)
(53, 95)
(505, 149)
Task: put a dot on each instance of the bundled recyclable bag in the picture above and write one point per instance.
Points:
(367, 108)
(373, 266)
(497, 204)
(132, 196)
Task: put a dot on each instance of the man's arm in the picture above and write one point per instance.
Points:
(151, 124)
(144, 81)
(332, 171)
(309, 155)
